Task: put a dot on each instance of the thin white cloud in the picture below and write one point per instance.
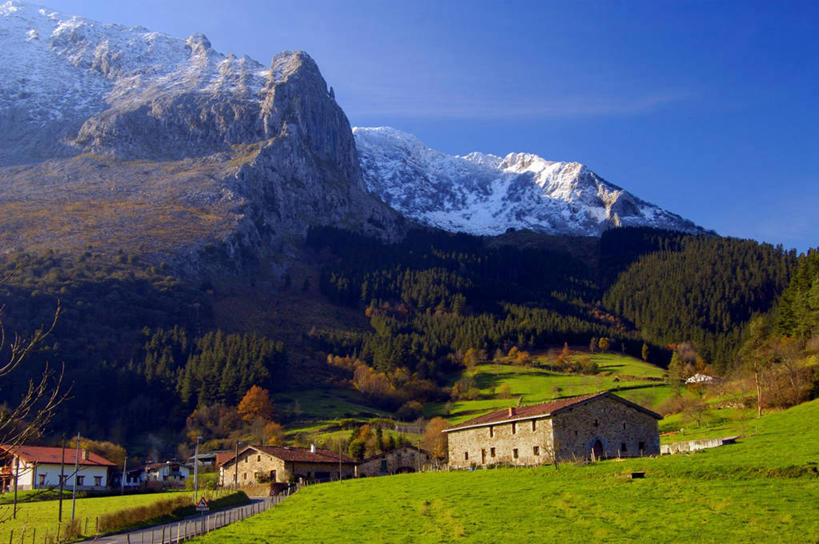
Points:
(401, 105)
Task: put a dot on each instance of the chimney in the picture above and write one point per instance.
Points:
(511, 411)
(85, 455)
(312, 448)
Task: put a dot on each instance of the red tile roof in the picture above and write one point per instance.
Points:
(301, 455)
(545, 409)
(42, 454)
(223, 457)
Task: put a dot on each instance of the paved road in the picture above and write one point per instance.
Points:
(189, 527)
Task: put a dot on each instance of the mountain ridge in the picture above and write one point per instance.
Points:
(485, 194)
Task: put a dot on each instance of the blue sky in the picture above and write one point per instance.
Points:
(708, 109)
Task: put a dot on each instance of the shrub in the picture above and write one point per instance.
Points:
(139, 514)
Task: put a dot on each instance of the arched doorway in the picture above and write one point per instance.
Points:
(597, 450)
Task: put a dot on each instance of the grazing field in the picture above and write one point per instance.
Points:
(763, 489)
(633, 379)
(38, 519)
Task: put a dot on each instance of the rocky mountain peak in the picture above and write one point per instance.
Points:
(485, 194)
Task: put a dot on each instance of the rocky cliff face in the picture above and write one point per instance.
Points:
(267, 148)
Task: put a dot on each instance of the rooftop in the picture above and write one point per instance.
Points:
(545, 409)
(54, 455)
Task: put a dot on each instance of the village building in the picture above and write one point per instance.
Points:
(282, 464)
(211, 459)
(596, 426)
(168, 474)
(39, 467)
(702, 379)
(398, 461)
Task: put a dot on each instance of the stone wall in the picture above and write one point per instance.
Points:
(515, 443)
(252, 464)
(622, 431)
(399, 460)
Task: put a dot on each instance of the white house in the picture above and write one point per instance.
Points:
(169, 473)
(38, 467)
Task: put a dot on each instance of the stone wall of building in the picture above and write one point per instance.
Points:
(621, 430)
(524, 442)
(399, 460)
(252, 465)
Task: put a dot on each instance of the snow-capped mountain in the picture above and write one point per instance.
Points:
(487, 195)
(137, 133)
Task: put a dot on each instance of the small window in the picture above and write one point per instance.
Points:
(623, 447)
(258, 458)
(596, 423)
(42, 479)
(514, 428)
(536, 450)
(247, 459)
(491, 431)
(534, 425)
(466, 456)
(80, 480)
(624, 425)
(642, 446)
(383, 466)
(515, 453)
(491, 452)
(244, 475)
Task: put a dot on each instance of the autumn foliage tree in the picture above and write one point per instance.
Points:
(256, 404)
(434, 440)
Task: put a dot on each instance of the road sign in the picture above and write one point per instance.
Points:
(202, 505)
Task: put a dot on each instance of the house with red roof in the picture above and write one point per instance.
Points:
(597, 426)
(283, 464)
(39, 467)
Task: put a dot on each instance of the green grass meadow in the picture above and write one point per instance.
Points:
(40, 518)
(763, 489)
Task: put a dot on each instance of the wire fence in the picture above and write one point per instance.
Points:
(170, 533)
(191, 528)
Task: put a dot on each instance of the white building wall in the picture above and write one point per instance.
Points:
(40, 476)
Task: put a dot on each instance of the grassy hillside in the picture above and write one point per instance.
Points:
(764, 489)
(634, 379)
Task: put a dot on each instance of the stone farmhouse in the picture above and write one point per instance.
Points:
(593, 426)
(39, 468)
(278, 464)
(398, 461)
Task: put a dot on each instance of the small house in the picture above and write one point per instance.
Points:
(282, 464)
(169, 474)
(40, 467)
(398, 461)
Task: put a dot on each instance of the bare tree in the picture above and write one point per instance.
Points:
(43, 395)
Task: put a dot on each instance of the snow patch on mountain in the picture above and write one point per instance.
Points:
(485, 194)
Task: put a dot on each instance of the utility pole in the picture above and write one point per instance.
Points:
(62, 483)
(236, 468)
(76, 472)
(17, 477)
(122, 479)
(196, 471)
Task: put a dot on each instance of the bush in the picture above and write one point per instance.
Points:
(140, 514)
